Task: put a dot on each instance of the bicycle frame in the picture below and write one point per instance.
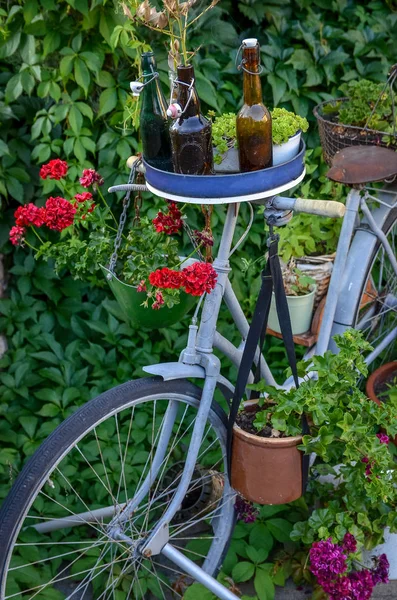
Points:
(199, 361)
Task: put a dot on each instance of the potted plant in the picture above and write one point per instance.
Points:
(363, 116)
(287, 128)
(382, 383)
(224, 142)
(300, 290)
(153, 284)
(344, 430)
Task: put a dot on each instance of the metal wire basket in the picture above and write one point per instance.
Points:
(335, 136)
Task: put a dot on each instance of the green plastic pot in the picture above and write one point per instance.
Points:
(130, 302)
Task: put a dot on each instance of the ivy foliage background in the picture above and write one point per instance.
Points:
(65, 68)
(64, 80)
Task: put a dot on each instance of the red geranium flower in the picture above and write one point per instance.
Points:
(168, 223)
(91, 177)
(29, 214)
(159, 301)
(83, 197)
(199, 278)
(55, 169)
(16, 235)
(166, 279)
(59, 213)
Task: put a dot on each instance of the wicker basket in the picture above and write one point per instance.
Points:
(320, 268)
(335, 136)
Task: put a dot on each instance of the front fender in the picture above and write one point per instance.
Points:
(178, 370)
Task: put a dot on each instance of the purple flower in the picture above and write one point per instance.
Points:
(383, 438)
(362, 584)
(341, 589)
(368, 468)
(349, 543)
(380, 574)
(246, 511)
(327, 560)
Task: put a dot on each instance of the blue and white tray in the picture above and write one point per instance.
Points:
(223, 189)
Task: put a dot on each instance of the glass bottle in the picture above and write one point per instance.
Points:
(154, 124)
(254, 123)
(191, 138)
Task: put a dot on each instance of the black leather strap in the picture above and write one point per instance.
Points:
(271, 279)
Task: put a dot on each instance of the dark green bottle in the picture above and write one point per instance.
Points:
(154, 124)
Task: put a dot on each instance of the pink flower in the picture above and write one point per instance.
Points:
(349, 543)
(159, 301)
(383, 438)
(16, 235)
(55, 169)
(142, 286)
(59, 213)
(91, 177)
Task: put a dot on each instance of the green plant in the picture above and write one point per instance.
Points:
(364, 97)
(344, 432)
(286, 124)
(257, 550)
(223, 134)
(148, 258)
(296, 283)
(391, 393)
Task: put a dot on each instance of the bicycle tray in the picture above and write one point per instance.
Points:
(224, 189)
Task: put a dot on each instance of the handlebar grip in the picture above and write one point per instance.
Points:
(323, 208)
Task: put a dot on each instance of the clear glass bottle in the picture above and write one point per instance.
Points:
(191, 138)
(254, 123)
(154, 123)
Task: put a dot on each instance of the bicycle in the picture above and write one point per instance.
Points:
(154, 515)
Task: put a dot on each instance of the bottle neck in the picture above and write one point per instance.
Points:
(187, 97)
(252, 87)
(152, 97)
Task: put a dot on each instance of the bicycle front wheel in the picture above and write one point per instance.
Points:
(56, 541)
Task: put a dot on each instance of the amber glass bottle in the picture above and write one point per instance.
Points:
(191, 139)
(154, 124)
(254, 123)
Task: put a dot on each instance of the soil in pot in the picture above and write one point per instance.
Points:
(245, 420)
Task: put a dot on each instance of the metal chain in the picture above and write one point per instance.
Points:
(123, 218)
(191, 237)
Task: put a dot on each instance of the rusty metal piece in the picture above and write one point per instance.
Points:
(357, 165)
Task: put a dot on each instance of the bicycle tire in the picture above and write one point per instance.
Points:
(39, 467)
(357, 291)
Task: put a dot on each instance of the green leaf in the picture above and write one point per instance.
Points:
(10, 46)
(14, 88)
(51, 42)
(82, 74)
(49, 410)
(243, 571)
(280, 529)
(279, 87)
(206, 91)
(29, 424)
(75, 120)
(263, 584)
(260, 537)
(107, 101)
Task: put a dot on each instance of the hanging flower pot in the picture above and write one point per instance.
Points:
(264, 469)
(130, 302)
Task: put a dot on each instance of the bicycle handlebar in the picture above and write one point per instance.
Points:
(322, 208)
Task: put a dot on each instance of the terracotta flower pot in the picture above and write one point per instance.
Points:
(266, 470)
(376, 379)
